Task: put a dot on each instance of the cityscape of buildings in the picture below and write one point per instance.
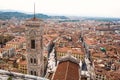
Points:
(52, 49)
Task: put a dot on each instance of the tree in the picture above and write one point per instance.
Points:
(103, 49)
(23, 57)
(10, 78)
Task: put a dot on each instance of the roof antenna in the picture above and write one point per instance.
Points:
(34, 10)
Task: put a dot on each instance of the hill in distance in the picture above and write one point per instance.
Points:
(8, 15)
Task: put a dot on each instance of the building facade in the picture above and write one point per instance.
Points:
(22, 66)
(34, 47)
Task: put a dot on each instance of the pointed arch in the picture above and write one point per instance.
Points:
(32, 33)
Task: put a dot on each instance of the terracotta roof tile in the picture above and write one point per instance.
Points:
(67, 70)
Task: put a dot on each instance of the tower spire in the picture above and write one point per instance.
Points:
(34, 10)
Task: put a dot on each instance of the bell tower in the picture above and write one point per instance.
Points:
(34, 46)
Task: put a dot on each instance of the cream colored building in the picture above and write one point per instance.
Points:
(17, 42)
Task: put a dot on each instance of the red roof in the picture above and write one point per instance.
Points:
(67, 70)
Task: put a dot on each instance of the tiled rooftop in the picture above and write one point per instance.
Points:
(67, 70)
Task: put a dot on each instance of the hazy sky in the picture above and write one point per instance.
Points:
(105, 8)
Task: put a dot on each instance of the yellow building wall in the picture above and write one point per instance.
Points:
(22, 69)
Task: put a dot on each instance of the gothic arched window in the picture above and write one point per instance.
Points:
(32, 44)
(31, 72)
(35, 61)
(35, 73)
(31, 60)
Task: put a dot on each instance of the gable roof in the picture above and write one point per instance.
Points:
(67, 69)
